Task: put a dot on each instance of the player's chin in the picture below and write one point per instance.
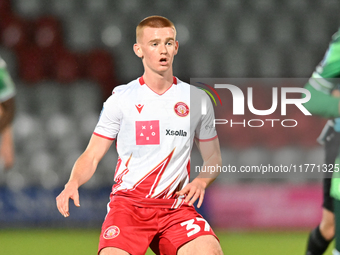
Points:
(163, 68)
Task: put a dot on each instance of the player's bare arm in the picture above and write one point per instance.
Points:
(7, 112)
(82, 171)
(211, 155)
(7, 152)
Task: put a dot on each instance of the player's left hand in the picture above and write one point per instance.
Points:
(194, 190)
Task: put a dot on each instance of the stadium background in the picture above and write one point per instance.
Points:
(65, 57)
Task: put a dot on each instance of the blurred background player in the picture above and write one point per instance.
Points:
(325, 98)
(7, 110)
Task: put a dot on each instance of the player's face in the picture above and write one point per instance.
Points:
(157, 48)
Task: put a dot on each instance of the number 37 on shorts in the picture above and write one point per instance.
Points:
(196, 225)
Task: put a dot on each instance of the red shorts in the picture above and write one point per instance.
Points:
(133, 228)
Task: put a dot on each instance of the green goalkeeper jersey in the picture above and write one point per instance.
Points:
(7, 88)
(330, 65)
(323, 81)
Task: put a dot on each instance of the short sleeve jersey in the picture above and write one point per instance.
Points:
(324, 80)
(7, 88)
(328, 68)
(154, 135)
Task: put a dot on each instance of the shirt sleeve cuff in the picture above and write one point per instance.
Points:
(103, 136)
(206, 140)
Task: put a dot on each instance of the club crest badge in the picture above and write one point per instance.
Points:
(111, 232)
(181, 109)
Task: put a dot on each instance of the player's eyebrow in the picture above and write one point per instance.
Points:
(158, 40)
(170, 39)
(154, 40)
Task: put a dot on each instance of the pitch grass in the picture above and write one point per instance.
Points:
(85, 241)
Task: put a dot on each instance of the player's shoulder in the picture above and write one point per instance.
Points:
(2, 63)
(122, 92)
(336, 36)
(192, 88)
(334, 47)
(125, 88)
(181, 83)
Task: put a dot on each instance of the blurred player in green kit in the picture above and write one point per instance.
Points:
(7, 110)
(324, 86)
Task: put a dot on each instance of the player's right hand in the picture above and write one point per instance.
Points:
(70, 191)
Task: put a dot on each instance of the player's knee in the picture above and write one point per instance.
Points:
(215, 248)
(112, 251)
(327, 231)
(330, 232)
(327, 225)
(201, 246)
(217, 251)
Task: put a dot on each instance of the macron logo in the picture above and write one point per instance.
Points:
(139, 107)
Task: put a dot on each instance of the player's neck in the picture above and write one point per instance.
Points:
(159, 83)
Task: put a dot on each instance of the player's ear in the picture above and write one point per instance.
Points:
(137, 49)
(176, 47)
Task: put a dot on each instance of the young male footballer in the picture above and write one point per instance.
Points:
(154, 124)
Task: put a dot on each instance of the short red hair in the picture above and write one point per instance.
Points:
(155, 22)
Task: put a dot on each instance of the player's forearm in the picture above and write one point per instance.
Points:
(7, 115)
(210, 168)
(7, 137)
(87, 163)
(322, 104)
(83, 170)
(7, 147)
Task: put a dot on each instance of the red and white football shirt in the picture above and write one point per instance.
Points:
(155, 134)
